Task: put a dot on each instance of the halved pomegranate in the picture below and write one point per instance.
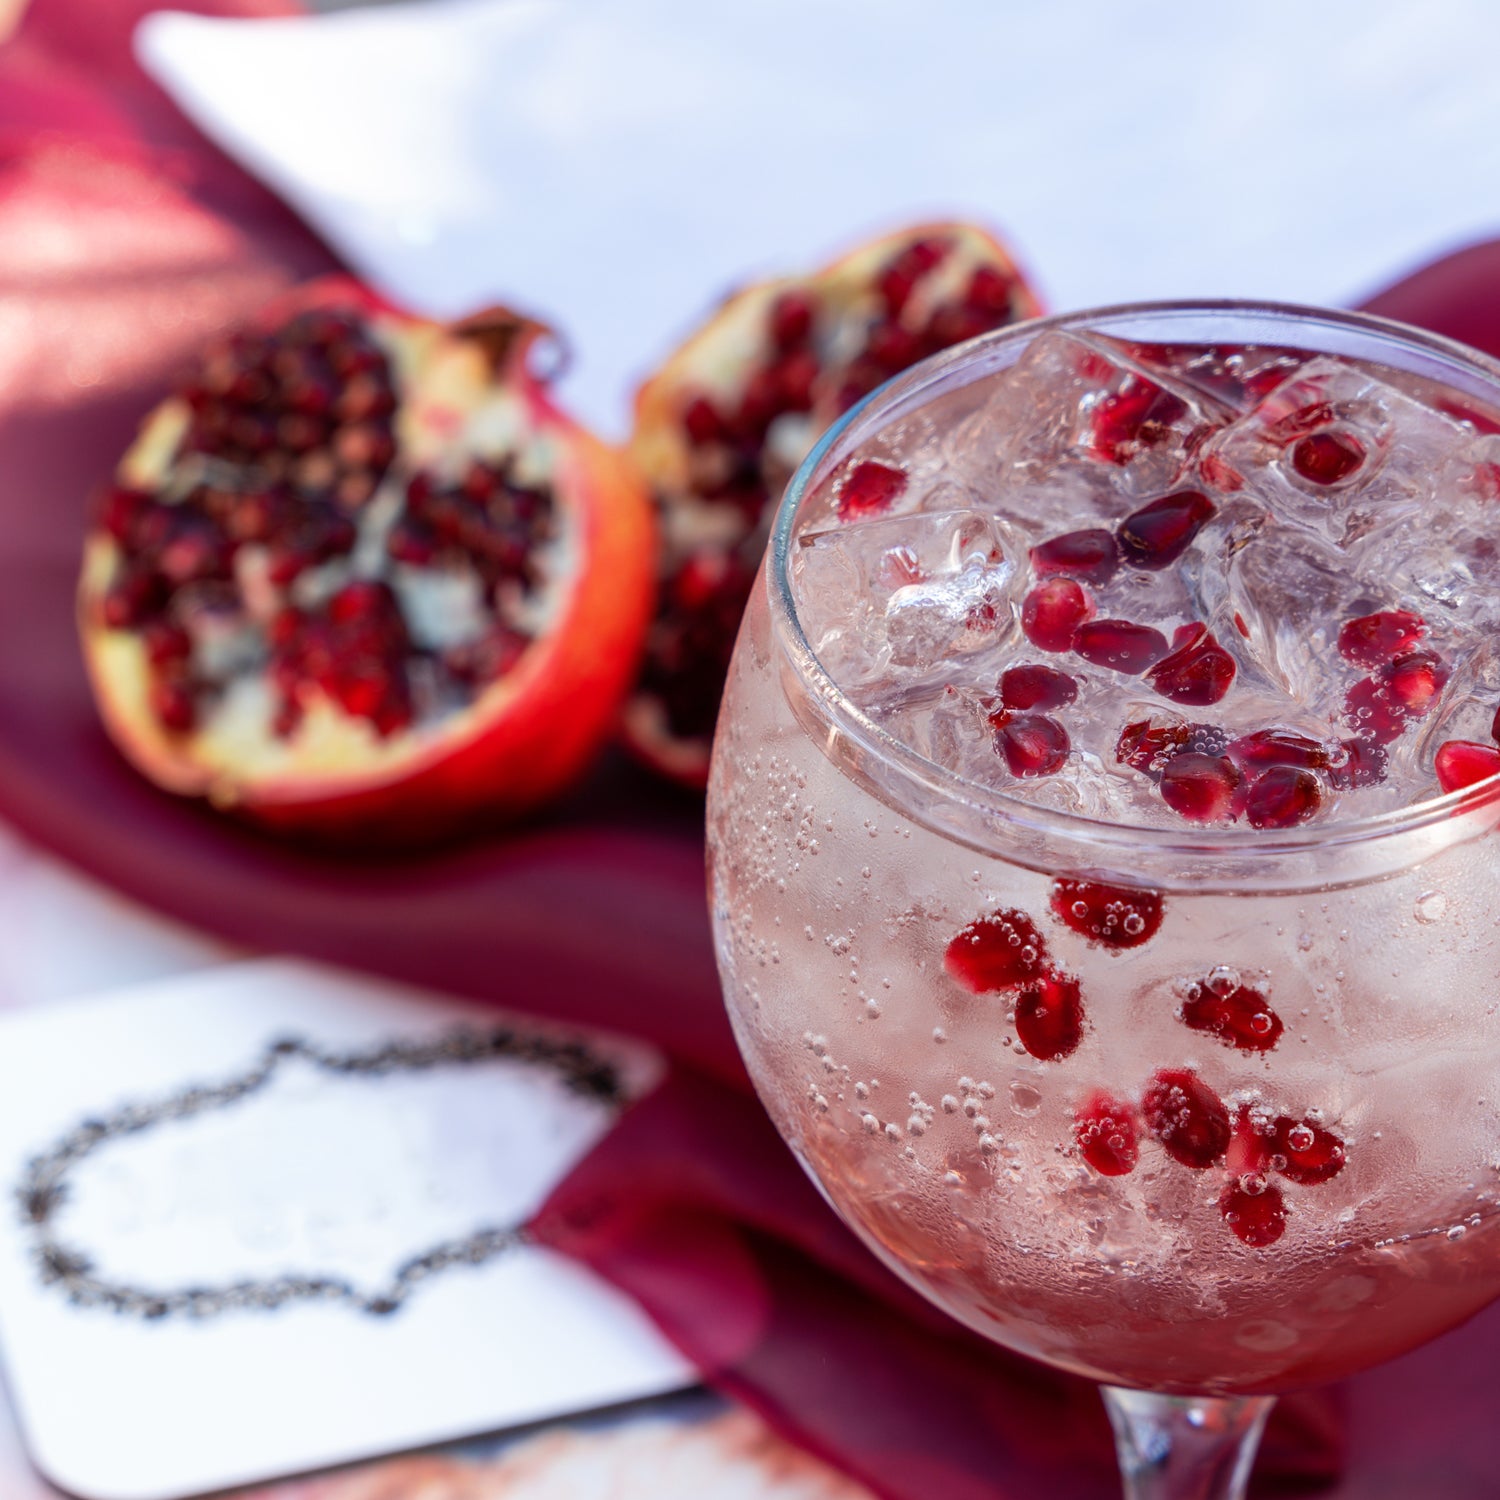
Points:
(360, 578)
(721, 426)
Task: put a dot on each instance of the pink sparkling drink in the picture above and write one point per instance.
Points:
(1097, 840)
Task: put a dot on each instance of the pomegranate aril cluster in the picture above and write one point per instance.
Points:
(486, 519)
(310, 405)
(353, 650)
(907, 326)
(1033, 741)
(1005, 954)
(1277, 777)
(256, 536)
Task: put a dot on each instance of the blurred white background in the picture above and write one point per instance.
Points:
(615, 167)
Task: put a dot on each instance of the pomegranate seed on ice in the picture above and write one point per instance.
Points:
(1282, 797)
(1372, 639)
(1032, 685)
(869, 489)
(1091, 555)
(1158, 534)
(1052, 612)
(1358, 763)
(1200, 787)
(1138, 416)
(1305, 1153)
(1119, 645)
(1032, 744)
(1461, 763)
(1148, 747)
(1279, 747)
(1414, 681)
(1327, 457)
(1199, 671)
(1371, 712)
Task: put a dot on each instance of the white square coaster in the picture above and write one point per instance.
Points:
(258, 1220)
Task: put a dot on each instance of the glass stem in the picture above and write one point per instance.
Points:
(1185, 1447)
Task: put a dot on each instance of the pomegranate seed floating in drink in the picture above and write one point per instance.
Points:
(359, 579)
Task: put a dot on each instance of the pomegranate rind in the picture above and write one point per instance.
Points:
(523, 739)
(714, 361)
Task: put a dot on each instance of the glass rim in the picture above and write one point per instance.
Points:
(1017, 812)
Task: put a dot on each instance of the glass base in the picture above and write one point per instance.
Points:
(1185, 1447)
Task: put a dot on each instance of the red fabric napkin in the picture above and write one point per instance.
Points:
(124, 239)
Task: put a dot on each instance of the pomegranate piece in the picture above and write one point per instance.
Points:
(1327, 457)
(1090, 555)
(453, 653)
(1200, 788)
(1156, 535)
(1052, 612)
(869, 489)
(1304, 1152)
(1138, 416)
(1032, 685)
(1032, 744)
(1049, 1016)
(1255, 1210)
(1282, 797)
(1186, 1117)
(1108, 1133)
(722, 423)
(997, 952)
(1461, 763)
(1119, 645)
(1373, 639)
(1279, 747)
(1237, 1014)
(1198, 671)
(1117, 916)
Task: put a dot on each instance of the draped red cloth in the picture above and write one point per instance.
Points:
(125, 238)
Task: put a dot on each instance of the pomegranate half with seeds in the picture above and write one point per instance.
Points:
(359, 578)
(720, 428)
